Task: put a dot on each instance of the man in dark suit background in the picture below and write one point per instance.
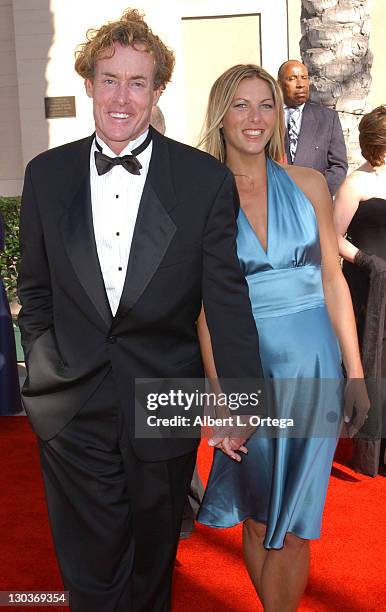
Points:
(123, 234)
(314, 136)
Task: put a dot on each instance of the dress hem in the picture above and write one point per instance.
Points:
(303, 537)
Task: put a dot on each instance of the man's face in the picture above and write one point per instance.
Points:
(123, 95)
(295, 84)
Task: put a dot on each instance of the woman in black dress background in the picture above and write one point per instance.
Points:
(10, 402)
(360, 211)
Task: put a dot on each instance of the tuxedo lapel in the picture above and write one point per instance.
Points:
(305, 147)
(78, 234)
(154, 228)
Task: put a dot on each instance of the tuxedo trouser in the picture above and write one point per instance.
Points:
(115, 519)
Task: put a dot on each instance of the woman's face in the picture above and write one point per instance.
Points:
(251, 118)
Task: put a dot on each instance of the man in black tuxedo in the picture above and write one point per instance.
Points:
(314, 136)
(124, 234)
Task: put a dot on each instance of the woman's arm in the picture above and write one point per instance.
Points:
(206, 347)
(345, 206)
(226, 443)
(336, 291)
(353, 190)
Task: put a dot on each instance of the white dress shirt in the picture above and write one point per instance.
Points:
(115, 198)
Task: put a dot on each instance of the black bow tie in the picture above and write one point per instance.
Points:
(104, 163)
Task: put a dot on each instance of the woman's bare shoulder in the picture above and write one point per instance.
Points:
(358, 185)
(310, 181)
(358, 177)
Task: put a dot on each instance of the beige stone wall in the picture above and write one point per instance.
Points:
(227, 41)
(38, 38)
(10, 137)
(377, 45)
(34, 33)
(294, 33)
(377, 93)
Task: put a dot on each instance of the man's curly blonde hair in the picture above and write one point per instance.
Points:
(131, 30)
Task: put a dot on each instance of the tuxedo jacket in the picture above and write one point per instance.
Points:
(321, 144)
(183, 252)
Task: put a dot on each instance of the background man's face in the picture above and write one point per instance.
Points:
(295, 84)
(123, 95)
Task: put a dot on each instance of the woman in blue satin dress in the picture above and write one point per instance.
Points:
(301, 304)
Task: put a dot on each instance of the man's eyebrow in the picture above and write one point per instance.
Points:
(132, 78)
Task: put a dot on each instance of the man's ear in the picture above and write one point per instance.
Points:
(88, 85)
(157, 94)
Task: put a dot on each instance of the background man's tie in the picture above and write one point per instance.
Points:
(293, 134)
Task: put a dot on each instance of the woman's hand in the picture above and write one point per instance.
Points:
(233, 438)
(356, 405)
(229, 445)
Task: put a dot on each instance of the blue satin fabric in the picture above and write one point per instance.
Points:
(282, 482)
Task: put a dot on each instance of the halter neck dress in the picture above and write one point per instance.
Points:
(283, 481)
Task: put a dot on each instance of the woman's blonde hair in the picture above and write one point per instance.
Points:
(372, 136)
(220, 99)
(130, 31)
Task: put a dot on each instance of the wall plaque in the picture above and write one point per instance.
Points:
(60, 106)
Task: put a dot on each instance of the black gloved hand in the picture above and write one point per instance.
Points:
(372, 263)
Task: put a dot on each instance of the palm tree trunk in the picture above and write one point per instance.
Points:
(335, 48)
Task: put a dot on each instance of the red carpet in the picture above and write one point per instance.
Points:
(348, 563)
